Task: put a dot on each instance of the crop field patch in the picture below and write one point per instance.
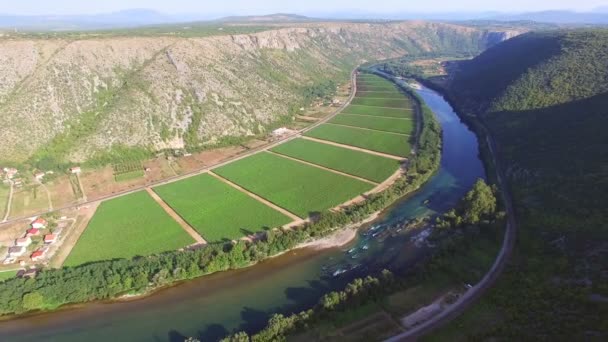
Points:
(393, 144)
(361, 164)
(127, 170)
(218, 211)
(388, 103)
(380, 94)
(125, 227)
(297, 187)
(376, 87)
(378, 123)
(378, 111)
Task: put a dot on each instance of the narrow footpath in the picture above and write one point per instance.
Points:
(258, 198)
(381, 154)
(199, 239)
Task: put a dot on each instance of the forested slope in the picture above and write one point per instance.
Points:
(544, 97)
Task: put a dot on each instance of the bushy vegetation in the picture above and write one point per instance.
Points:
(368, 166)
(125, 227)
(397, 145)
(302, 189)
(544, 98)
(218, 211)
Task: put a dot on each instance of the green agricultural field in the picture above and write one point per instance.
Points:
(377, 111)
(372, 87)
(394, 125)
(217, 210)
(365, 165)
(402, 126)
(125, 227)
(390, 103)
(394, 144)
(122, 177)
(297, 187)
(4, 275)
(380, 94)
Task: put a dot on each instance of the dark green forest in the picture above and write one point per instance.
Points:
(544, 98)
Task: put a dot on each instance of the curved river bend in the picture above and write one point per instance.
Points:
(212, 306)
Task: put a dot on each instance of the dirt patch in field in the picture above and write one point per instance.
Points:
(207, 158)
(61, 191)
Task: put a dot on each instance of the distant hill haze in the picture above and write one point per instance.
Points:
(67, 99)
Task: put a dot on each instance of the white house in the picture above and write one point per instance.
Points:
(75, 169)
(16, 251)
(23, 242)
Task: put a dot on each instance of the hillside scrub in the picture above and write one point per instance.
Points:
(110, 279)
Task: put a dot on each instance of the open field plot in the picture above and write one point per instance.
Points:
(361, 164)
(125, 227)
(128, 170)
(217, 210)
(4, 191)
(394, 144)
(299, 188)
(377, 111)
(390, 103)
(375, 87)
(28, 200)
(394, 125)
(380, 94)
(61, 191)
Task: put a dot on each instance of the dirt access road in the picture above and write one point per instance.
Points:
(211, 167)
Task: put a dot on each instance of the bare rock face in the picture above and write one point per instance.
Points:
(71, 98)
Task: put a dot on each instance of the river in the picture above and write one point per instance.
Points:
(212, 306)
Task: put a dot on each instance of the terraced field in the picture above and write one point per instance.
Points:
(376, 111)
(388, 103)
(217, 210)
(125, 227)
(302, 189)
(395, 125)
(397, 145)
(361, 164)
(380, 94)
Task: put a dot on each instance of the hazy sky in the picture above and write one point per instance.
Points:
(272, 6)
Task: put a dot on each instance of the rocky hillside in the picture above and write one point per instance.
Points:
(69, 99)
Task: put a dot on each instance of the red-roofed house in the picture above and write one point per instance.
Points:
(39, 223)
(37, 255)
(32, 232)
(50, 238)
(75, 169)
(23, 242)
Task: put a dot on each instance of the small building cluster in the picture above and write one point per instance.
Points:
(9, 175)
(36, 227)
